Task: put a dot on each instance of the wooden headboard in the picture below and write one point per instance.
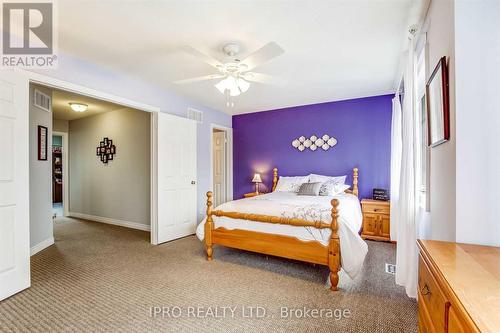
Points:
(355, 189)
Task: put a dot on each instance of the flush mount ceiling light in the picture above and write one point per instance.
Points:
(78, 107)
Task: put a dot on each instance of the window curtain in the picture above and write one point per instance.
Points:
(396, 142)
(403, 212)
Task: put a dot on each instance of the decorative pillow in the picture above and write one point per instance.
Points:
(314, 178)
(332, 187)
(309, 189)
(291, 184)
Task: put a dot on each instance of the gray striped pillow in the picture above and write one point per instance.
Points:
(309, 189)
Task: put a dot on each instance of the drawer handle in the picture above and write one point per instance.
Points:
(376, 209)
(425, 290)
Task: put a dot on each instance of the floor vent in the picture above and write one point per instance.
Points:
(390, 268)
(42, 101)
(195, 115)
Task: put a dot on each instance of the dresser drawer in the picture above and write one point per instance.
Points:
(457, 322)
(376, 209)
(431, 296)
(424, 321)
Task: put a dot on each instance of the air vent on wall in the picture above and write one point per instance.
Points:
(195, 115)
(42, 101)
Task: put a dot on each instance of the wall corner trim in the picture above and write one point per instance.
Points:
(107, 220)
(41, 246)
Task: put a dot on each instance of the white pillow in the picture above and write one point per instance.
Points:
(291, 184)
(314, 178)
(331, 188)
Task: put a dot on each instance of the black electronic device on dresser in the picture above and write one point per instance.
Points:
(380, 194)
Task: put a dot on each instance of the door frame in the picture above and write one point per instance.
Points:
(229, 159)
(65, 160)
(51, 82)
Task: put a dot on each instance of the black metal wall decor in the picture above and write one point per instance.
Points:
(106, 150)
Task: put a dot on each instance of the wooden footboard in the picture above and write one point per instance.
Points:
(277, 245)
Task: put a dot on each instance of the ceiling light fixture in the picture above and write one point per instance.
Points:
(78, 107)
(235, 85)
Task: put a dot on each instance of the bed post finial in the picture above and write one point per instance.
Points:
(334, 247)
(355, 189)
(209, 226)
(275, 178)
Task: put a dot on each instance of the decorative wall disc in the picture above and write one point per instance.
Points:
(314, 142)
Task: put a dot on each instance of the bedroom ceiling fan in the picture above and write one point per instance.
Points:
(235, 76)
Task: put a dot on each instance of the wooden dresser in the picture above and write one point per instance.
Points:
(458, 287)
(376, 219)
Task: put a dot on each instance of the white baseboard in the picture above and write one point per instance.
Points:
(42, 245)
(107, 220)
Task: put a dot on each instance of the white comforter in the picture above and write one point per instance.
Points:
(311, 208)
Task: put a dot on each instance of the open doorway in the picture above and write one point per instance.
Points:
(59, 173)
(221, 152)
(97, 165)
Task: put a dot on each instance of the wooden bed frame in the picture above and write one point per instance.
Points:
(278, 245)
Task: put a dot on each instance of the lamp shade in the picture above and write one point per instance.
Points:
(235, 85)
(256, 178)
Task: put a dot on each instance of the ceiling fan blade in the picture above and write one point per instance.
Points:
(263, 78)
(262, 55)
(201, 56)
(200, 78)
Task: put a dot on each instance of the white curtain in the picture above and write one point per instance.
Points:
(396, 142)
(403, 212)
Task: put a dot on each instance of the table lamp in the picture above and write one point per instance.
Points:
(256, 179)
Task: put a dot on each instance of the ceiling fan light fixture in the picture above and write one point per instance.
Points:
(243, 85)
(235, 86)
(229, 84)
(78, 107)
(221, 86)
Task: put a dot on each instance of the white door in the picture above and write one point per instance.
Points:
(14, 184)
(219, 167)
(176, 177)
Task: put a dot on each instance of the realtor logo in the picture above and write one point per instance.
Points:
(28, 38)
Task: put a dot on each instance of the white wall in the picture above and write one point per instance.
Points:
(80, 72)
(120, 189)
(477, 40)
(440, 42)
(40, 175)
(59, 125)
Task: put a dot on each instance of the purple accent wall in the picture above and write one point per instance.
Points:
(362, 126)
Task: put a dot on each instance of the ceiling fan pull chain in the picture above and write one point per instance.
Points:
(229, 103)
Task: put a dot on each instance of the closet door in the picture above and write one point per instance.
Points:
(14, 184)
(176, 177)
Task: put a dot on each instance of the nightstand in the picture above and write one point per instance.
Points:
(376, 220)
(252, 194)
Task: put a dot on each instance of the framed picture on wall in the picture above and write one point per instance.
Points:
(42, 143)
(438, 111)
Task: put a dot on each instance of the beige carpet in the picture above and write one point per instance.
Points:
(104, 278)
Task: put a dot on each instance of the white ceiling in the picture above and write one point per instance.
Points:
(61, 109)
(334, 49)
